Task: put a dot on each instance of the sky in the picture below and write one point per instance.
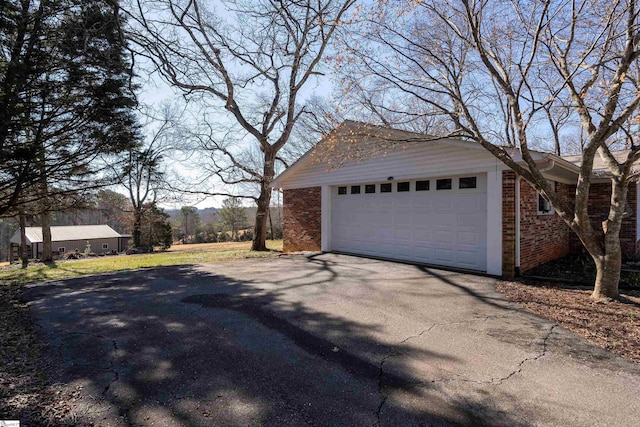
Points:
(155, 91)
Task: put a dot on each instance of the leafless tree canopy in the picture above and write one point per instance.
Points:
(513, 74)
(245, 63)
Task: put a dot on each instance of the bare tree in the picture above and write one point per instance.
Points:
(250, 62)
(143, 176)
(506, 74)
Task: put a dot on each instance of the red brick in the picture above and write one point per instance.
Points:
(302, 218)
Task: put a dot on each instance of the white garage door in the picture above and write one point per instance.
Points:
(440, 221)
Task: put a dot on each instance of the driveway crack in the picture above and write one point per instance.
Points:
(520, 366)
(112, 368)
(382, 395)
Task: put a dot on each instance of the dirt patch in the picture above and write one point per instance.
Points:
(614, 326)
(25, 392)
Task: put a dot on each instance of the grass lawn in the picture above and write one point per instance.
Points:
(177, 255)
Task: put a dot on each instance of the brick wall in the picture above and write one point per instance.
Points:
(543, 238)
(599, 200)
(508, 224)
(302, 219)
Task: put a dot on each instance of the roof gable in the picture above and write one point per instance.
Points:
(361, 152)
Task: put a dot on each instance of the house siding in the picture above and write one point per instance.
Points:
(434, 159)
(302, 219)
(81, 245)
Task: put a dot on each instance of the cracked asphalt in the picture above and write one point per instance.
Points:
(322, 340)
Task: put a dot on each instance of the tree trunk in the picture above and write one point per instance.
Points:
(609, 261)
(264, 201)
(607, 276)
(24, 253)
(137, 228)
(271, 224)
(47, 246)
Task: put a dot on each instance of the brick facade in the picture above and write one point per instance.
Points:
(599, 200)
(543, 238)
(302, 219)
(508, 224)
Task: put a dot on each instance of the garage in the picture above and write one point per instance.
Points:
(441, 221)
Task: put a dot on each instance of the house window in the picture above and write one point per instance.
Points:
(355, 189)
(467, 182)
(422, 185)
(544, 207)
(370, 188)
(105, 246)
(342, 190)
(403, 186)
(61, 249)
(443, 184)
(385, 188)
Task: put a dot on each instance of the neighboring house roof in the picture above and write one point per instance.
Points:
(69, 233)
(353, 143)
(599, 166)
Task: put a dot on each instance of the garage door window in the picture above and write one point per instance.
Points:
(422, 185)
(403, 186)
(342, 190)
(443, 184)
(385, 188)
(370, 188)
(355, 189)
(467, 182)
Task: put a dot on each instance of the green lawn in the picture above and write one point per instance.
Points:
(178, 255)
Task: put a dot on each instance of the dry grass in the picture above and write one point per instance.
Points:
(614, 326)
(225, 246)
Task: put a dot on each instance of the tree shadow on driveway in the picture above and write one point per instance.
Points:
(184, 346)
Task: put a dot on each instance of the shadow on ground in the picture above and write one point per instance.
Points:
(185, 346)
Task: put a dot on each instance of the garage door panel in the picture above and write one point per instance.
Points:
(421, 234)
(445, 227)
(444, 256)
(469, 259)
(468, 238)
(442, 236)
(404, 233)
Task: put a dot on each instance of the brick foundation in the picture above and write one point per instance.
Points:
(302, 219)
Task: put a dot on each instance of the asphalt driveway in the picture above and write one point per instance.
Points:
(325, 340)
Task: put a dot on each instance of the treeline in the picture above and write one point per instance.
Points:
(233, 222)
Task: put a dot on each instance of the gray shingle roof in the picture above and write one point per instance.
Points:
(67, 233)
(599, 166)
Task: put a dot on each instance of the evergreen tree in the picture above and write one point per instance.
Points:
(66, 97)
(233, 216)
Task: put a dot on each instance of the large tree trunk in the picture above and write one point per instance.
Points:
(264, 201)
(137, 228)
(607, 276)
(607, 255)
(47, 246)
(24, 253)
